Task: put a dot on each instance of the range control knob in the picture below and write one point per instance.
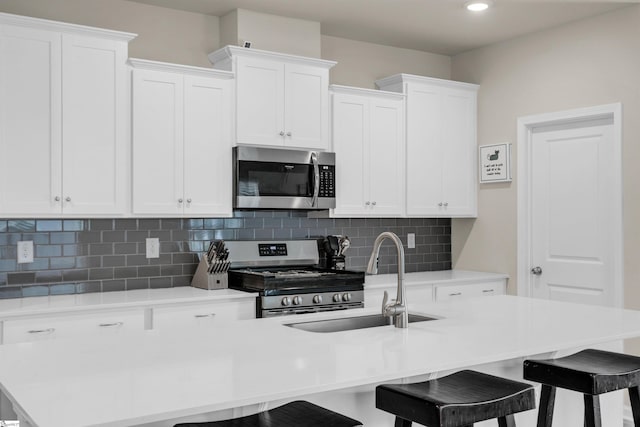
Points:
(297, 300)
(317, 299)
(286, 301)
(346, 297)
(336, 298)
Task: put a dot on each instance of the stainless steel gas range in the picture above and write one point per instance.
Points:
(288, 279)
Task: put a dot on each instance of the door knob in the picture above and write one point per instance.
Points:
(536, 270)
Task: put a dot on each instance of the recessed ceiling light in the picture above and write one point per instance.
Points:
(477, 5)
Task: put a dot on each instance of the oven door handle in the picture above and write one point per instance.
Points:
(316, 179)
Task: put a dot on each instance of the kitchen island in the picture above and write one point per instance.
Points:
(157, 376)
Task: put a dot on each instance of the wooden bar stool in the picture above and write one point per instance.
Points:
(590, 372)
(457, 400)
(299, 414)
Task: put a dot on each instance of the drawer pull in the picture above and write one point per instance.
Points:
(111, 325)
(200, 316)
(486, 291)
(455, 294)
(42, 331)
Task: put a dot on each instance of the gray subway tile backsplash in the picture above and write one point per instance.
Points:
(104, 255)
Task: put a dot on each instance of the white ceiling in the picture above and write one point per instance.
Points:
(437, 26)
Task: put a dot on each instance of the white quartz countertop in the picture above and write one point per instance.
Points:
(158, 375)
(432, 278)
(20, 307)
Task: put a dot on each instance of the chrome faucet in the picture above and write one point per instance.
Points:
(396, 309)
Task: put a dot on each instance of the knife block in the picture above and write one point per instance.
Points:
(204, 280)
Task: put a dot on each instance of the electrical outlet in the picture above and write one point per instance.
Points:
(153, 247)
(25, 252)
(411, 240)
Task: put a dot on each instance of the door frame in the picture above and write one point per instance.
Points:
(526, 126)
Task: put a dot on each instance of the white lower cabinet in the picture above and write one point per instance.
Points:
(202, 315)
(473, 290)
(72, 326)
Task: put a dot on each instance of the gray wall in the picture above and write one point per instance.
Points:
(101, 255)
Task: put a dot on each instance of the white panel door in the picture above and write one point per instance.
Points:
(95, 148)
(424, 150)
(350, 143)
(207, 147)
(158, 160)
(260, 102)
(386, 157)
(459, 153)
(30, 133)
(306, 107)
(572, 228)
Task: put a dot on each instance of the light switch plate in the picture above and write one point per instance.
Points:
(153, 247)
(25, 252)
(411, 240)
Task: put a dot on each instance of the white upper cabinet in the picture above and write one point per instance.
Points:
(441, 145)
(181, 140)
(281, 100)
(368, 139)
(64, 105)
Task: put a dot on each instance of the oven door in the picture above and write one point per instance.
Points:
(274, 312)
(281, 179)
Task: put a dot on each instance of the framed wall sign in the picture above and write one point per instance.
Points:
(495, 163)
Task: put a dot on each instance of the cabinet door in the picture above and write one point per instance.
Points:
(72, 326)
(207, 142)
(157, 142)
(203, 315)
(350, 143)
(95, 152)
(386, 158)
(306, 123)
(30, 114)
(459, 151)
(260, 102)
(424, 150)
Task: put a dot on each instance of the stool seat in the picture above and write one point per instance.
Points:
(588, 371)
(299, 414)
(456, 400)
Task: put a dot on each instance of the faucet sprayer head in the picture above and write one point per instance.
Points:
(372, 267)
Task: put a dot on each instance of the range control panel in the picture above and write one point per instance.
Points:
(327, 180)
(272, 249)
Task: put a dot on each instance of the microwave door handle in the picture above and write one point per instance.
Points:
(316, 179)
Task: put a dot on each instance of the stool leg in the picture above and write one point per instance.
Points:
(401, 422)
(592, 411)
(634, 398)
(547, 400)
(507, 421)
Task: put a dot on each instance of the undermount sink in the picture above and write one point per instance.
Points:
(351, 323)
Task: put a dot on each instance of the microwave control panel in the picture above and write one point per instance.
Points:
(327, 181)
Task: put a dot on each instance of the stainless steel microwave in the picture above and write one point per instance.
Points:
(272, 178)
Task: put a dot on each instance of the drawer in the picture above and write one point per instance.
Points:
(72, 326)
(202, 315)
(472, 290)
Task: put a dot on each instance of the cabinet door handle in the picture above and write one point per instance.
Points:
(68, 199)
(57, 198)
(373, 203)
(440, 204)
(486, 291)
(367, 203)
(42, 331)
(446, 204)
(281, 133)
(288, 133)
(200, 316)
(179, 200)
(111, 325)
(188, 200)
(455, 294)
